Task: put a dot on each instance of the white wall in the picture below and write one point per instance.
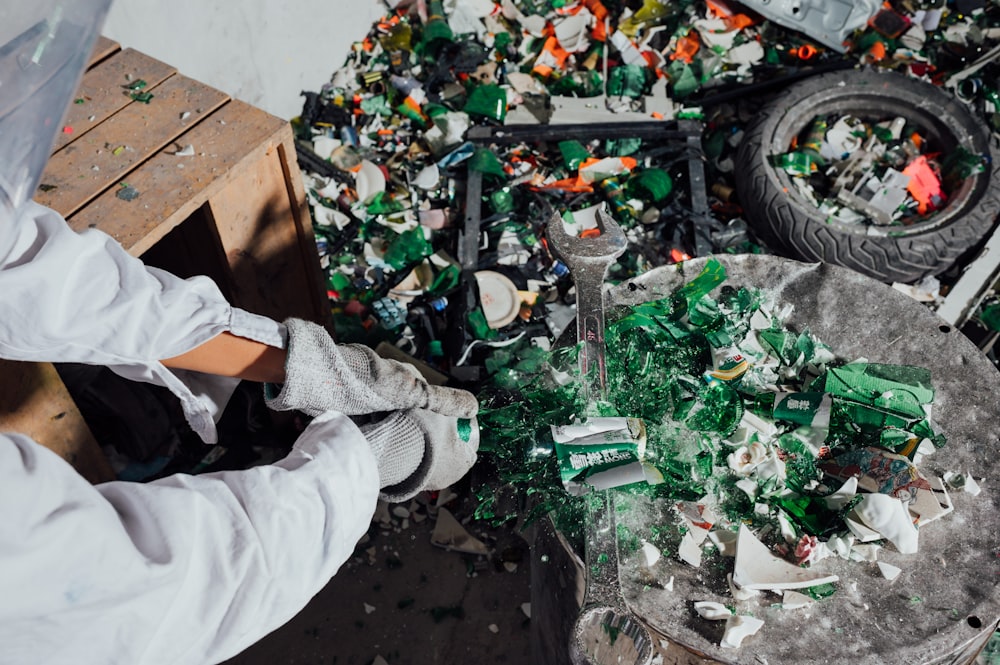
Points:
(264, 52)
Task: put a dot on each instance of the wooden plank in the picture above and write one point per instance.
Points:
(103, 91)
(34, 401)
(304, 225)
(103, 47)
(258, 231)
(172, 188)
(241, 169)
(104, 156)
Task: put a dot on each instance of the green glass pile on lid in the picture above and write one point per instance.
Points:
(740, 410)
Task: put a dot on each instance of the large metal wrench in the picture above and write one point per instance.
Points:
(604, 621)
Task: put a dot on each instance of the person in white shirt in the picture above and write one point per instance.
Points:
(184, 569)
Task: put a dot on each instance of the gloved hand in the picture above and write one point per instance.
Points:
(420, 450)
(321, 375)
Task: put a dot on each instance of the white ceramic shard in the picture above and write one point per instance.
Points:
(368, 181)
(748, 486)
(793, 600)
(858, 528)
(427, 178)
(451, 535)
(745, 459)
(757, 568)
(963, 482)
(669, 586)
(650, 554)
(324, 146)
(712, 611)
(888, 516)
(698, 517)
(840, 545)
(724, 541)
(737, 592)
(933, 504)
(738, 628)
(843, 495)
(867, 552)
(689, 551)
(786, 528)
(889, 571)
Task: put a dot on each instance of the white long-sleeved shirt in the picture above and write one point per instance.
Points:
(186, 569)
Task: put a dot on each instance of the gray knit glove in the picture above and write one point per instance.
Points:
(420, 450)
(321, 375)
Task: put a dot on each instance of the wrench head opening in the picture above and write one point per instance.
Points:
(603, 249)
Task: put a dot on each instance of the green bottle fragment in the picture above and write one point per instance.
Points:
(821, 591)
(383, 203)
(807, 512)
(622, 147)
(627, 81)
(795, 163)
(616, 199)
(711, 275)
(573, 154)
(376, 105)
(686, 82)
(651, 184)
(446, 280)
(410, 112)
(714, 143)
(501, 41)
(478, 325)
(436, 32)
(407, 248)
(902, 390)
(990, 316)
(338, 281)
(488, 101)
(812, 143)
(502, 200)
(485, 161)
(721, 409)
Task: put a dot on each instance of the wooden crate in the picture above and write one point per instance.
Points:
(234, 210)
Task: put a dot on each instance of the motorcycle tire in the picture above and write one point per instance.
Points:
(788, 223)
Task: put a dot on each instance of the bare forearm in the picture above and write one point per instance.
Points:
(229, 355)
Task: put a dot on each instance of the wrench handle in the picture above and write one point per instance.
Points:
(590, 331)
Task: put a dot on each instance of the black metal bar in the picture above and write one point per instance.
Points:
(652, 130)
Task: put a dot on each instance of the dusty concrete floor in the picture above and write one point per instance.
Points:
(412, 603)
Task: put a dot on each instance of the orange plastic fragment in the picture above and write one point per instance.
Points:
(718, 9)
(924, 185)
(805, 52)
(600, 12)
(687, 47)
(552, 57)
(877, 51)
(677, 256)
(738, 22)
(572, 185)
(590, 233)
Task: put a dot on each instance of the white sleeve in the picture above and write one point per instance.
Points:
(80, 297)
(187, 569)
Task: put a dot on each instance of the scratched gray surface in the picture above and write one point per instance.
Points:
(946, 596)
